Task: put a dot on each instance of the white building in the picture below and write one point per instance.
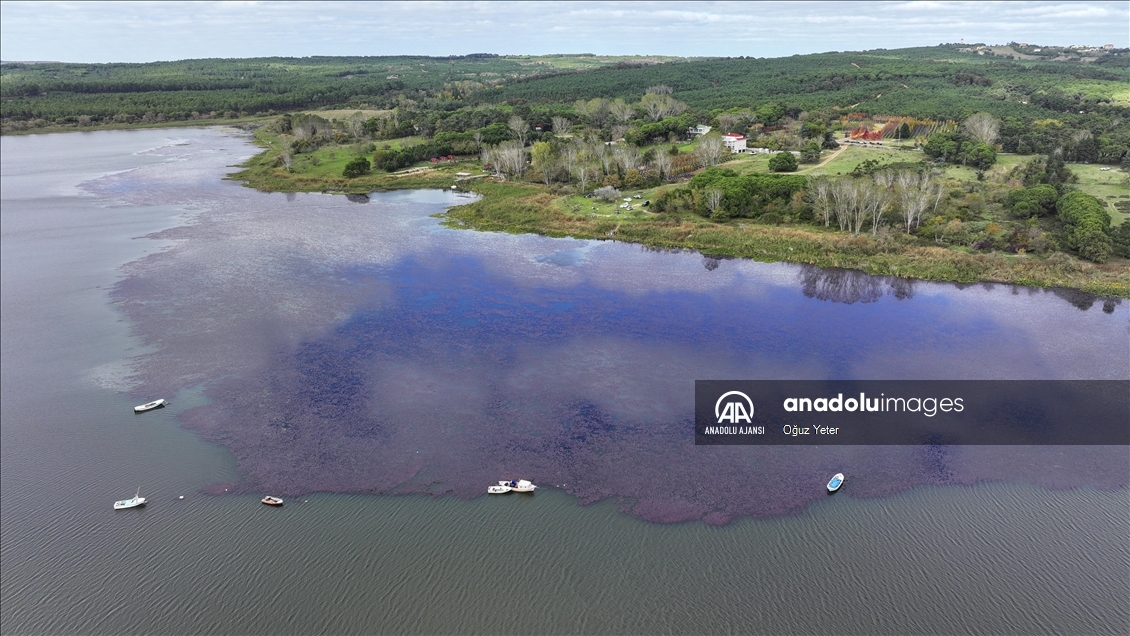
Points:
(698, 130)
(734, 141)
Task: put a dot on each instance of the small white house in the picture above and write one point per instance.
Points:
(698, 130)
(734, 141)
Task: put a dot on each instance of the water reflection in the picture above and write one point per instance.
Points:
(850, 286)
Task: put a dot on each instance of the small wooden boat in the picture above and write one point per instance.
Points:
(137, 500)
(518, 485)
(498, 489)
(272, 501)
(149, 406)
(836, 482)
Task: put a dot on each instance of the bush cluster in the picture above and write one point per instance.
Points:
(1088, 225)
(742, 196)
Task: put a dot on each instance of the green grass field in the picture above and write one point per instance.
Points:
(1108, 186)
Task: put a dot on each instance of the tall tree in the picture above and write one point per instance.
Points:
(518, 127)
(709, 149)
(712, 198)
(544, 157)
(561, 126)
(621, 111)
(819, 194)
(663, 165)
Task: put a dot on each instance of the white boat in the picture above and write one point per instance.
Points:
(836, 482)
(137, 500)
(272, 501)
(518, 485)
(149, 406)
(498, 489)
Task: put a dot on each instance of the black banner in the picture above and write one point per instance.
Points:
(876, 412)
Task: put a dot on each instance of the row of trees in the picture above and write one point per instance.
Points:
(855, 202)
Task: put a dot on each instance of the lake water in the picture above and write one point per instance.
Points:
(379, 370)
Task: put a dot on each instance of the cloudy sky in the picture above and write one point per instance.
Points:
(148, 31)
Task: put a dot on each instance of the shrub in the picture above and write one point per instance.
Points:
(809, 153)
(356, 168)
(1121, 239)
(1037, 200)
(783, 162)
(607, 193)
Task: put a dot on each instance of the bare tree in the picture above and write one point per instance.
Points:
(845, 202)
(658, 106)
(663, 164)
(621, 111)
(709, 149)
(477, 136)
(914, 192)
(713, 199)
(519, 127)
(727, 122)
(618, 131)
(561, 126)
(876, 199)
(490, 158)
(819, 191)
(653, 104)
(508, 158)
(601, 153)
(982, 127)
(595, 110)
(659, 90)
(584, 171)
(287, 159)
(356, 126)
(570, 155)
(627, 156)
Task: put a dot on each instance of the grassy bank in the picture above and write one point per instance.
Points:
(521, 208)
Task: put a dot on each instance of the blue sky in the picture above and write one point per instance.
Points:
(149, 31)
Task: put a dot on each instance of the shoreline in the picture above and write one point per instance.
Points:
(520, 208)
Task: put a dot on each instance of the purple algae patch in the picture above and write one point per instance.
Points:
(361, 348)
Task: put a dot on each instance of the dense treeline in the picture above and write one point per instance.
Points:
(911, 82)
(933, 82)
(61, 93)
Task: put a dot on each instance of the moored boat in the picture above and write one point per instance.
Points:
(518, 485)
(498, 489)
(149, 406)
(272, 501)
(136, 501)
(836, 482)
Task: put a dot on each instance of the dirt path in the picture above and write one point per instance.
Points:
(832, 156)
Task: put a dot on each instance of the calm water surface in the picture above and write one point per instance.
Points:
(130, 269)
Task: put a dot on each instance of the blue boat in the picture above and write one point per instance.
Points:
(837, 481)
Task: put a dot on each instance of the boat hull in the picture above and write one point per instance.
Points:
(836, 482)
(155, 404)
(520, 485)
(129, 503)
